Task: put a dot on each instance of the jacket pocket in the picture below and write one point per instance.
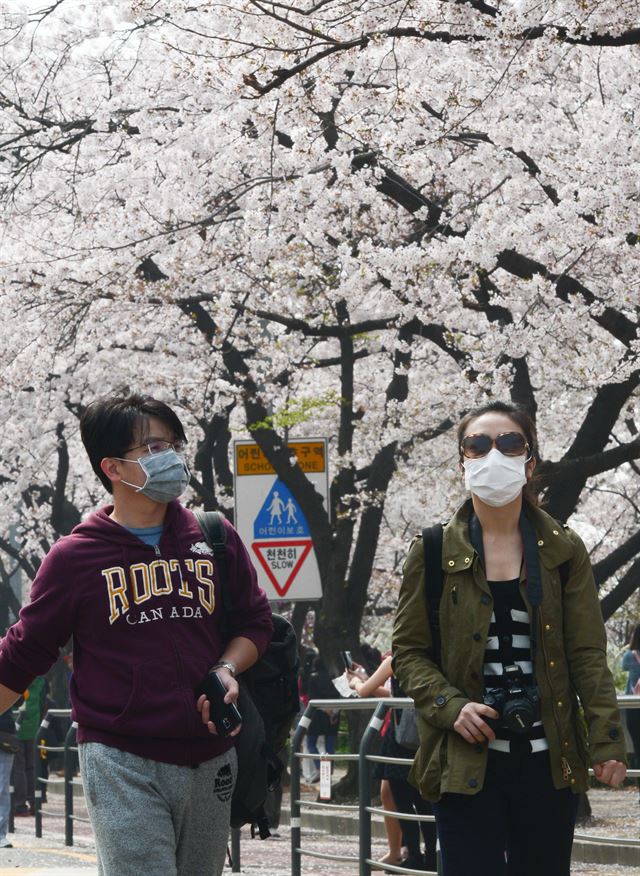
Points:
(156, 705)
(580, 729)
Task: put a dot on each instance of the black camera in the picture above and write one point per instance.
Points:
(517, 704)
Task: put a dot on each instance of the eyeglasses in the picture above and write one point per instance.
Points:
(157, 446)
(508, 443)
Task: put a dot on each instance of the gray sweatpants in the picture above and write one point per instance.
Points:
(157, 819)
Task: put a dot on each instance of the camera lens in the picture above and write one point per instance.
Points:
(518, 715)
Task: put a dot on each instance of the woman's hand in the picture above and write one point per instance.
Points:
(470, 724)
(355, 675)
(359, 670)
(610, 772)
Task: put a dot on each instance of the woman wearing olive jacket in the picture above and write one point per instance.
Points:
(504, 747)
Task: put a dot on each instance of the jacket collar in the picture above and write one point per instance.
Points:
(554, 545)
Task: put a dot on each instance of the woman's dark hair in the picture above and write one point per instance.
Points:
(520, 416)
(635, 639)
(108, 427)
(372, 657)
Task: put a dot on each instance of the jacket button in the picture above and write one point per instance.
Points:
(467, 559)
(476, 637)
(566, 744)
(485, 599)
(573, 781)
(540, 543)
(547, 627)
(555, 532)
(472, 783)
(552, 663)
(559, 704)
(613, 733)
(440, 701)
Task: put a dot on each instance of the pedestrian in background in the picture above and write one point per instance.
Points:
(8, 747)
(377, 684)
(395, 791)
(631, 664)
(324, 722)
(27, 724)
(308, 768)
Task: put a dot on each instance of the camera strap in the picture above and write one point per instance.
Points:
(534, 580)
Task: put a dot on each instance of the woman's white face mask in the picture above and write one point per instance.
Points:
(496, 479)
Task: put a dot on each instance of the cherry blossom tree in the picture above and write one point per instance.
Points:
(351, 218)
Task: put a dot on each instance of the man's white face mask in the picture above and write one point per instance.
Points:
(167, 475)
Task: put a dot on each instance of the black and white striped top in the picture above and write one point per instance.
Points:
(509, 643)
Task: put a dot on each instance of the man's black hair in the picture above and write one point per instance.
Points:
(108, 426)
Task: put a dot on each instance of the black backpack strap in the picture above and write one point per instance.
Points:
(433, 582)
(212, 525)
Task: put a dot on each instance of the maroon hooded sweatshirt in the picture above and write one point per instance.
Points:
(146, 629)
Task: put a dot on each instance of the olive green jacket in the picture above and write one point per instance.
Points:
(570, 667)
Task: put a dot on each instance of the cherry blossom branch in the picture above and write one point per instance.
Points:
(29, 568)
(623, 554)
(283, 74)
(625, 588)
(584, 467)
(592, 437)
(346, 330)
(616, 323)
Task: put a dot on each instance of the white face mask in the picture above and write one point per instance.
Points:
(167, 475)
(495, 479)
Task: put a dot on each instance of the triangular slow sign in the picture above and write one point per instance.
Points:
(282, 560)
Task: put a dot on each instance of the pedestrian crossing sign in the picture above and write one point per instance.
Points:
(271, 522)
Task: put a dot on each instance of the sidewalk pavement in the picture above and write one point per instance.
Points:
(272, 857)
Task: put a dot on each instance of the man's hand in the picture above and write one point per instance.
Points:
(470, 724)
(610, 772)
(231, 696)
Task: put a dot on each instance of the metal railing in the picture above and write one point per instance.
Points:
(364, 809)
(45, 782)
(70, 781)
(363, 860)
(625, 702)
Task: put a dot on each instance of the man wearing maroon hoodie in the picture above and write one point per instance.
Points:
(137, 587)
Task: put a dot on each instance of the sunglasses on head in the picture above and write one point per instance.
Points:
(508, 443)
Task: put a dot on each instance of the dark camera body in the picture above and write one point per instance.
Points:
(225, 716)
(517, 704)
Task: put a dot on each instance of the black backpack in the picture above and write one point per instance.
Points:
(434, 581)
(268, 701)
